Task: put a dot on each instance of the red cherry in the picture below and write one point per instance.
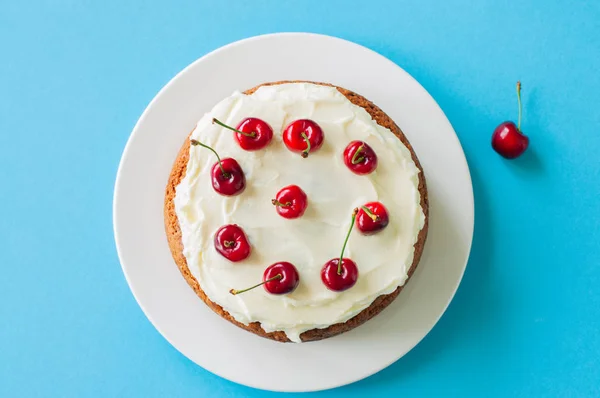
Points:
(360, 158)
(290, 202)
(372, 218)
(279, 278)
(231, 243)
(340, 274)
(252, 133)
(339, 282)
(303, 136)
(227, 176)
(508, 139)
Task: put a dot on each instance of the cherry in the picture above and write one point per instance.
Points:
(340, 274)
(372, 218)
(279, 278)
(231, 243)
(227, 176)
(360, 158)
(303, 136)
(290, 201)
(508, 140)
(252, 133)
(342, 280)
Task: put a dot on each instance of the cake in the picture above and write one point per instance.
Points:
(309, 240)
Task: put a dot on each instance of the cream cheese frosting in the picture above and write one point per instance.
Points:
(383, 259)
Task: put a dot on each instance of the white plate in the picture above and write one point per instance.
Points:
(172, 306)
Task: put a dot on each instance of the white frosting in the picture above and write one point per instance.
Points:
(310, 241)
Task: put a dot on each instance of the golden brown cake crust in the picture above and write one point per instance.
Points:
(173, 230)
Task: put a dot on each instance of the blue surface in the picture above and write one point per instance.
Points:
(76, 75)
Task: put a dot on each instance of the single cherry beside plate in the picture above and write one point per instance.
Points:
(360, 158)
(304, 136)
(508, 139)
(231, 242)
(290, 201)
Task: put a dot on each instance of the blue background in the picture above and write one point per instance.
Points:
(76, 75)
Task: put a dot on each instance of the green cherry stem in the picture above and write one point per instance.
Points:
(307, 150)
(220, 123)
(234, 292)
(229, 243)
(355, 158)
(339, 269)
(195, 142)
(520, 107)
(278, 203)
(373, 216)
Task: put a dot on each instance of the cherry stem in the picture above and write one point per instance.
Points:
(356, 160)
(234, 292)
(195, 142)
(229, 243)
(372, 215)
(354, 212)
(278, 203)
(519, 99)
(220, 123)
(307, 150)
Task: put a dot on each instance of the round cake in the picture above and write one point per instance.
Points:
(374, 212)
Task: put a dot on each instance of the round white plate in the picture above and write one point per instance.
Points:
(184, 320)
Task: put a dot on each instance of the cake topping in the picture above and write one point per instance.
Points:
(341, 273)
(360, 158)
(306, 242)
(251, 134)
(304, 136)
(372, 218)
(279, 278)
(231, 243)
(290, 201)
(226, 175)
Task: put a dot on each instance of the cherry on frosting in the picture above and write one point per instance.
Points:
(231, 242)
(341, 280)
(304, 136)
(251, 133)
(340, 274)
(290, 201)
(372, 217)
(226, 175)
(279, 278)
(360, 158)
